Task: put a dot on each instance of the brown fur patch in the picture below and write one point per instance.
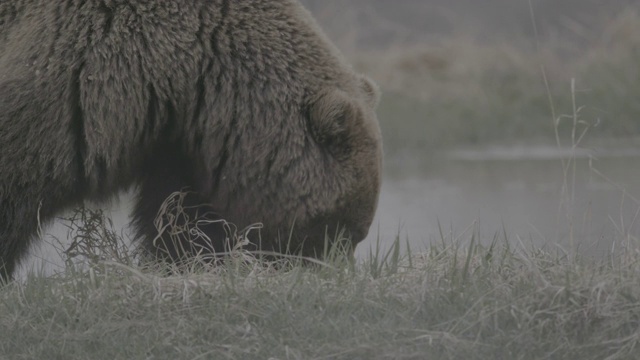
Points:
(213, 96)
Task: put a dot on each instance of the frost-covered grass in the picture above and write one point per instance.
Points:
(454, 301)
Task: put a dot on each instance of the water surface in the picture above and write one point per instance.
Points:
(534, 195)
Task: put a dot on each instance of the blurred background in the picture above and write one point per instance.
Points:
(469, 72)
(501, 119)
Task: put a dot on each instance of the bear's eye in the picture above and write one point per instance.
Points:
(331, 129)
(333, 119)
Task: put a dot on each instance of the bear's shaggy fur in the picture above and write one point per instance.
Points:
(243, 102)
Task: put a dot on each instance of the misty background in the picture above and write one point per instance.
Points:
(381, 24)
(501, 119)
(514, 119)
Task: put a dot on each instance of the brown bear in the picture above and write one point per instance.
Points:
(245, 103)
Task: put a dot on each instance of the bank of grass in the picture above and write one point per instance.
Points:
(461, 90)
(456, 300)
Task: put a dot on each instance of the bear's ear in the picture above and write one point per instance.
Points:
(371, 91)
(332, 119)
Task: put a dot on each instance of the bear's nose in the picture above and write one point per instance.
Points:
(356, 233)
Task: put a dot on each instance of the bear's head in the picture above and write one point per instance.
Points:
(309, 174)
(344, 125)
(331, 185)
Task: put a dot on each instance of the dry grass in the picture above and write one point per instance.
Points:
(453, 301)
